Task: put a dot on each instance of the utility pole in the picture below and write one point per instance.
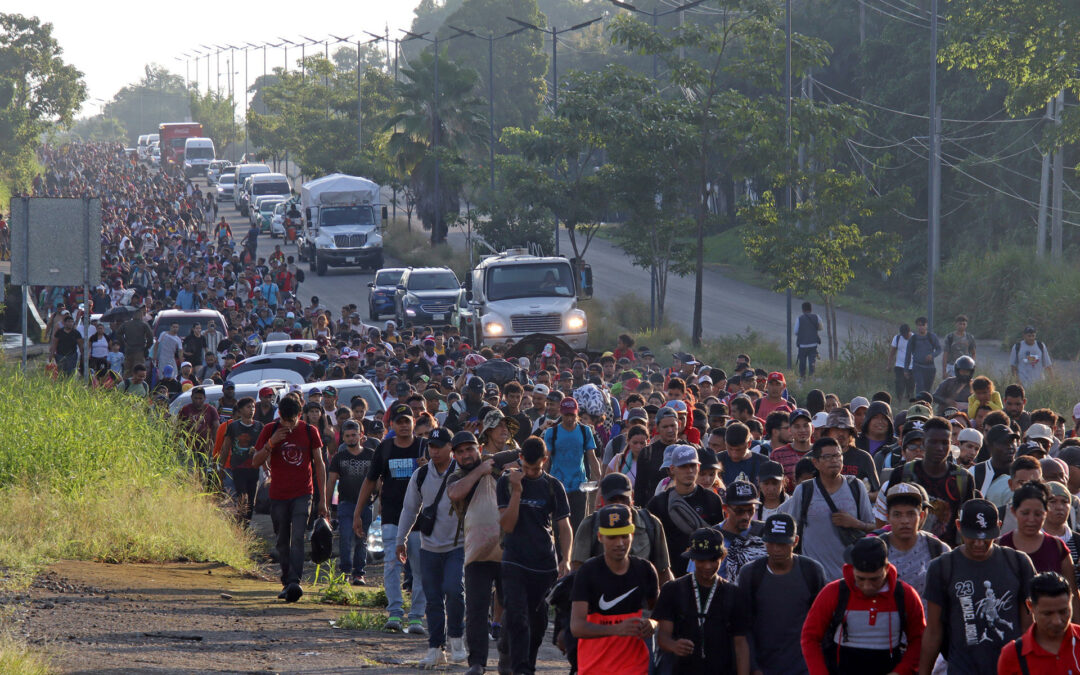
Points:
(1044, 190)
(934, 179)
(1059, 183)
(787, 145)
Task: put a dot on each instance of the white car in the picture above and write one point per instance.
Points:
(213, 393)
(277, 221)
(346, 389)
(293, 367)
(281, 346)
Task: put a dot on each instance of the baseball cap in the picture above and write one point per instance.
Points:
(541, 389)
(907, 493)
(664, 413)
(705, 544)
(776, 376)
(461, 438)
(840, 419)
(402, 388)
(923, 397)
(615, 520)
(682, 455)
(718, 410)
(185, 363)
(741, 492)
(315, 391)
(779, 529)
(228, 386)
(440, 437)
(566, 375)
(1070, 455)
(820, 420)
(912, 436)
(373, 426)
(637, 414)
(858, 402)
(1039, 431)
(266, 391)
(979, 519)
(555, 395)
(707, 459)
(447, 382)
(1032, 448)
(868, 554)
(677, 406)
(918, 412)
(400, 411)
(705, 378)
(475, 384)
(568, 405)
(330, 391)
(771, 470)
(972, 435)
(432, 394)
(1029, 329)
(800, 412)
(999, 433)
(167, 371)
(615, 485)
(1058, 489)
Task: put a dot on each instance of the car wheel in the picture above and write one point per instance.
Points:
(320, 266)
(311, 261)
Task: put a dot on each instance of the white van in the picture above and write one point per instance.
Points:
(198, 153)
(143, 145)
(270, 185)
(242, 172)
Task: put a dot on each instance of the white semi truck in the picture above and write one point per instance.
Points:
(514, 294)
(342, 223)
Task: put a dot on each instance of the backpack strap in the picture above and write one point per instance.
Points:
(804, 508)
(421, 476)
(1018, 643)
(843, 594)
(901, 608)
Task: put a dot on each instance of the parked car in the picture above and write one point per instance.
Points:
(348, 388)
(263, 210)
(277, 220)
(213, 393)
(213, 172)
(281, 346)
(226, 183)
(187, 319)
(428, 296)
(383, 287)
(293, 367)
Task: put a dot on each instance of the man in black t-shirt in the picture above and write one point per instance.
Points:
(350, 465)
(394, 462)
(700, 625)
(609, 593)
(530, 503)
(684, 507)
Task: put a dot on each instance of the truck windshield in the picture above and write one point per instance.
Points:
(552, 279)
(178, 143)
(330, 216)
(270, 189)
(199, 153)
(433, 281)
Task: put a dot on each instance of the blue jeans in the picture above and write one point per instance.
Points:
(352, 549)
(443, 576)
(290, 517)
(392, 574)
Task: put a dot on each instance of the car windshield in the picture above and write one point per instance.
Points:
(552, 279)
(199, 153)
(281, 188)
(347, 215)
(388, 278)
(433, 281)
(228, 178)
(268, 206)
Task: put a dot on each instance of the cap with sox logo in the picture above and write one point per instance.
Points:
(979, 519)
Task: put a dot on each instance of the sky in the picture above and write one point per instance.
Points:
(111, 41)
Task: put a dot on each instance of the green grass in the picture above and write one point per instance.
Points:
(360, 620)
(91, 476)
(412, 247)
(16, 659)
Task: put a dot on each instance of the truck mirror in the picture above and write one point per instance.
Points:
(307, 214)
(586, 282)
(401, 288)
(385, 214)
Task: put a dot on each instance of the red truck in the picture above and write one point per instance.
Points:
(172, 136)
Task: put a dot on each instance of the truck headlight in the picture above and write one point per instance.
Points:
(494, 328)
(575, 322)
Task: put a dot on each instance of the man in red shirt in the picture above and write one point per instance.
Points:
(201, 421)
(292, 448)
(1050, 646)
(774, 396)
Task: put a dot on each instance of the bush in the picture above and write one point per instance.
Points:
(91, 476)
(412, 248)
(1003, 290)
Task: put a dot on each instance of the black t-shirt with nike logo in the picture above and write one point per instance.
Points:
(612, 599)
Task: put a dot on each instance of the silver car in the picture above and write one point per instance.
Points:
(225, 186)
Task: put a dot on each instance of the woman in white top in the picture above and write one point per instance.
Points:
(99, 349)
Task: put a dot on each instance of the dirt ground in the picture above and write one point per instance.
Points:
(190, 617)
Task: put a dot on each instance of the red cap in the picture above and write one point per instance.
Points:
(568, 405)
(777, 376)
(266, 391)
(632, 384)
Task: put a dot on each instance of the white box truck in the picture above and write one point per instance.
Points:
(342, 223)
(515, 294)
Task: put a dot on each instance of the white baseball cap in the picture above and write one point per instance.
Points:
(541, 389)
(1040, 432)
(972, 435)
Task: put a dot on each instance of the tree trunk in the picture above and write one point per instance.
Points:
(834, 340)
(699, 256)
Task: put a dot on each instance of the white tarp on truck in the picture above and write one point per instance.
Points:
(338, 189)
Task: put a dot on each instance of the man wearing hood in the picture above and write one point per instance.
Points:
(875, 609)
(467, 410)
(877, 428)
(954, 392)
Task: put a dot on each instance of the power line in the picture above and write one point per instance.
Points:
(892, 16)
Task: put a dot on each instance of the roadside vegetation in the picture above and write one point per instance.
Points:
(410, 246)
(93, 477)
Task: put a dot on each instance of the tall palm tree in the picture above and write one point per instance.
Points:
(432, 136)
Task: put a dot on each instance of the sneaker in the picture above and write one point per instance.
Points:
(435, 658)
(293, 592)
(475, 670)
(393, 625)
(495, 631)
(282, 594)
(457, 650)
(416, 627)
(359, 580)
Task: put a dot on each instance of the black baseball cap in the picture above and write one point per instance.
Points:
(705, 544)
(399, 411)
(979, 519)
(475, 384)
(372, 426)
(868, 554)
(403, 388)
(615, 520)
(615, 485)
(637, 414)
(779, 529)
(707, 459)
(800, 412)
(718, 410)
(440, 437)
(447, 382)
(741, 493)
(1000, 433)
(771, 470)
(463, 437)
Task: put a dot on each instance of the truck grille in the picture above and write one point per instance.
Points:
(350, 240)
(541, 323)
(437, 307)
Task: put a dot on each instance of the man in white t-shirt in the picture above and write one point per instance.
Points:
(1029, 359)
(897, 357)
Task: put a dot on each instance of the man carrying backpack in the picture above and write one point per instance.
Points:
(1029, 359)
(781, 579)
(875, 613)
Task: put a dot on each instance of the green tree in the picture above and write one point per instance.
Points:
(37, 91)
(455, 121)
(99, 129)
(160, 96)
(520, 61)
(217, 114)
(817, 246)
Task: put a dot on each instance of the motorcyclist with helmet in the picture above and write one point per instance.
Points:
(953, 392)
